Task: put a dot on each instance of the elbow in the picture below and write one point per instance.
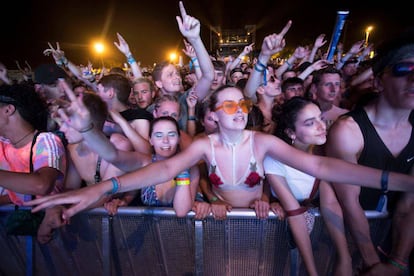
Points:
(181, 213)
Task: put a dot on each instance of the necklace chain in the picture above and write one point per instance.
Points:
(21, 139)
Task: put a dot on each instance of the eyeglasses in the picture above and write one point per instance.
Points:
(402, 69)
(230, 107)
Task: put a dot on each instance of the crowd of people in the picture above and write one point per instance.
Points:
(223, 133)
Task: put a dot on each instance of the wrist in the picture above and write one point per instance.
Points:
(213, 199)
(86, 129)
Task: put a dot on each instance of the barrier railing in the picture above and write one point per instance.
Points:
(153, 241)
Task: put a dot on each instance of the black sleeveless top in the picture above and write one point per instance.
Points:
(375, 154)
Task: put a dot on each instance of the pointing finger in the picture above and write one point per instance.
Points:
(286, 28)
(182, 9)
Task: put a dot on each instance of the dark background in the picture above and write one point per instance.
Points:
(151, 30)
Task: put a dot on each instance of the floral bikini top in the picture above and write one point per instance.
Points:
(252, 177)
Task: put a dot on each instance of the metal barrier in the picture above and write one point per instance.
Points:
(153, 241)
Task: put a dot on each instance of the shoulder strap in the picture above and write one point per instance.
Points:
(31, 150)
(313, 192)
(97, 176)
(305, 204)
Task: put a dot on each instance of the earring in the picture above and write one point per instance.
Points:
(293, 140)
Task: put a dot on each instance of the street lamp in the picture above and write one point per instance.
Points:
(367, 32)
(99, 49)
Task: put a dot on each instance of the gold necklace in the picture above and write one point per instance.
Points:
(21, 139)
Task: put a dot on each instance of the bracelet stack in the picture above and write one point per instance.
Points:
(261, 68)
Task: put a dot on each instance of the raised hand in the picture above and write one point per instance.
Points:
(189, 50)
(58, 54)
(274, 43)
(122, 45)
(188, 25)
(75, 114)
(320, 41)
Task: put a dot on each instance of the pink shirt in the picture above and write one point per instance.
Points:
(48, 151)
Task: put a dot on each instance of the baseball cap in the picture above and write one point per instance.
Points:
(48, 73)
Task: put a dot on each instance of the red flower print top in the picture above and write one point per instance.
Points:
(252, 178)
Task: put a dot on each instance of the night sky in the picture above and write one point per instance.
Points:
(151, 29)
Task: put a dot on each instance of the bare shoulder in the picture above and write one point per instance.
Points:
(344, 139)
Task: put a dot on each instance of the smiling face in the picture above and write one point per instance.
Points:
(164, 138)
(170, 81)
(310, 129)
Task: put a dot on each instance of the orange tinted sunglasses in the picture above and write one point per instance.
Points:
(230, 107)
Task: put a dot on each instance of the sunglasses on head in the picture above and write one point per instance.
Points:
(402, 69)
(230, 107)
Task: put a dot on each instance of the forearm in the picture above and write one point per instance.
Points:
(403, 225)
(206, 66)
(333, 217)
(28, 183)
(99, 143)
(312, 54)
(256, 77)
(135, 69)
(299, 230)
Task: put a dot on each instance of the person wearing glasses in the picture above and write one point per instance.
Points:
(234, 157)
(380, 135)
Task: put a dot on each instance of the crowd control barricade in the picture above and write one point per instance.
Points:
(153, 241)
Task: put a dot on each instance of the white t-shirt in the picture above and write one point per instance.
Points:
(300, 183)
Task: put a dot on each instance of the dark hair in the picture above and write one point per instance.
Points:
(393, 50)
(317, 75)
(213, 96)
(285, 116)
(219, 65)
(164, 118)
(31, 107)
(255, 119)
(291, 81)
(157, 71)
(97, 108)
(117, 70)
(120, 84)
(241, 83)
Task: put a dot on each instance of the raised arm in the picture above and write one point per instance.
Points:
(299, 53)
(190, 29)
(123, 47)
(190, 53)
(319, 42)
(61, 60)
(77, 116)
(272, 44)
(355, 49)
(139, 143)
(233, 64)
